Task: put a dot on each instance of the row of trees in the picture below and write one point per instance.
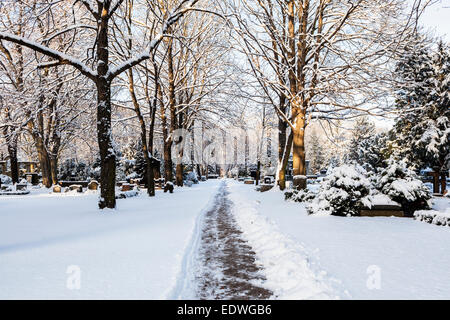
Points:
(138, 59)
(148, 68)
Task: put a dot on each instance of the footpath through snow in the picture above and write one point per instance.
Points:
(220, 264)
(286, 263)
(236, 253)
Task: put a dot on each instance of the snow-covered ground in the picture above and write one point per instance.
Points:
(146, 248)
(133, 252)
(358, 257)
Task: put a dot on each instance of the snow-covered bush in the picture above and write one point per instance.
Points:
(434, 217)
(192, 176)
(127, 194)
(341, 193)
(4, 179)
(75, 170)
(402, 185)
(299, 195)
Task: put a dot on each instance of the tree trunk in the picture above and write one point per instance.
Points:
(282, 127)
(283, 163)
(167, 159)
(44, 162)
(54, 168)
(258, 172)
(443, 182)
(107, 155)
(172, 104)
(12, 151)
(150, 179)
(104, 129)
(298, 150)
(179, 174)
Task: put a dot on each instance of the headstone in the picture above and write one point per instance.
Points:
(77, 187)
(267, 179)
(168, 187)
(93, 185)
(32, 178)
(21, 186)
(127, 187)
(265, 187)
(299, 182)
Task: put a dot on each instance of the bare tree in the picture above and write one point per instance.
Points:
(322, 59)
(102, 12)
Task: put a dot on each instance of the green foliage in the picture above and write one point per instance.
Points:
(422, 129)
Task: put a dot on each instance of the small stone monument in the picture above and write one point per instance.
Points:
(168, 187)
(93, 185)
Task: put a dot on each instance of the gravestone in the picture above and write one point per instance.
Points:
(299, 182)
(168, 187)
(127, 187)
(77, 187)
(32, 178)
(265, 187)
(93, 185)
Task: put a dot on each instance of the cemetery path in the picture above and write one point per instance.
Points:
(227, 267)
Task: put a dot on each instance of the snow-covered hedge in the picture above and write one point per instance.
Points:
(341, 192)
(348, 188)
(299, 195)
(433, 217)
(192, 176)
(4, 179)
(403, 186)
(127, 194)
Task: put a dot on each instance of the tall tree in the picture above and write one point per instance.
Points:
(363, 130)
(316, 154)
(422, 129)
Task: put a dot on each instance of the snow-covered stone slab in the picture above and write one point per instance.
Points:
(382, 206)
(14, 193)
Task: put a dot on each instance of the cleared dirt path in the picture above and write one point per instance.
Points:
(227, 269)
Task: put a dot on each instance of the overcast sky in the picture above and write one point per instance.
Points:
(437, 19)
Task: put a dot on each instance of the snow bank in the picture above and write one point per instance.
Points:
(433, 217)
(285, 263)
(440, 216)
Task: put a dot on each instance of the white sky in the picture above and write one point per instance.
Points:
(436, 18)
